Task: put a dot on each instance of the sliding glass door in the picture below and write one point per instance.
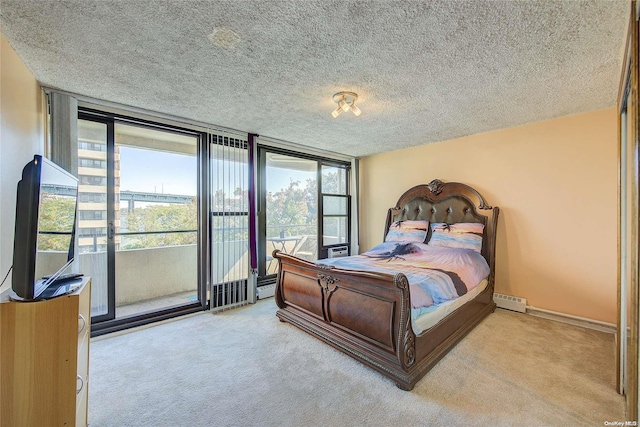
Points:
(291, 208)
(155, 219)
(139, 225)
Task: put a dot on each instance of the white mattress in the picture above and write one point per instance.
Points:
(428, 320)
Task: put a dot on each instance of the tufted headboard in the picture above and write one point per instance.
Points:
(449, 202)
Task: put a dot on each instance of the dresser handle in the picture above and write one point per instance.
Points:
(78, 390)
(84, 323)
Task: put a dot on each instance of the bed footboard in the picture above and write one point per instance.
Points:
(365, 315)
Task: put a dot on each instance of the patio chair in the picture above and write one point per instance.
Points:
(308, 248)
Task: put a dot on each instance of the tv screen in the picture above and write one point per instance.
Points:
(44, 238)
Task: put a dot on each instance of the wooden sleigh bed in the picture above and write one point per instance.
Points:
(368, 315)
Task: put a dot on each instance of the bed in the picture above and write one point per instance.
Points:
(368, 314)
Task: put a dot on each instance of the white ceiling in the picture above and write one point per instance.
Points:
(425, 71)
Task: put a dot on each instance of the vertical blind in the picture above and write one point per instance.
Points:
(229, 221)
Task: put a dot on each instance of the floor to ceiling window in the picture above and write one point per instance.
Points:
(304, 208)
(92, 211)
(164, 217)
(291, 204)
(335, 206)
(138, 223)
(156, 221)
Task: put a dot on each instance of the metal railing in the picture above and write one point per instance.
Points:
(291, 230)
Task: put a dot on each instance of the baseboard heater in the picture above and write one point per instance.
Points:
(228, 294)
(510, 303)
(266, 291)
(520, 305)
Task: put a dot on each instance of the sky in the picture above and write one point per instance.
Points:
(278, 178)
(147, 171)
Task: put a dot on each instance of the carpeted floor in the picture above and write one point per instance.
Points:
(246, 368)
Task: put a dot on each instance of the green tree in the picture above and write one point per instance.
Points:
(57, 214)
(333, 182)
(292, 210)
(153, 218)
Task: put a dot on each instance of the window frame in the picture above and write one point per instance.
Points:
(322, 250)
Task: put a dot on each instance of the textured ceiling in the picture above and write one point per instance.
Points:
(425, 71)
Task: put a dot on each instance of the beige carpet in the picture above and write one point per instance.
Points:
(245, 368)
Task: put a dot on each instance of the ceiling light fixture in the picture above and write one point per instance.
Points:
(346, 101)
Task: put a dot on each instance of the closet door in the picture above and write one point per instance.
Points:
(628, 242)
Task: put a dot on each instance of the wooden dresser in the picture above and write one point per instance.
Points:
(44, 360)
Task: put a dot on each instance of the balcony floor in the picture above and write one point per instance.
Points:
(155, 304)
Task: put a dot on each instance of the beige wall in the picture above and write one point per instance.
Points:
(21, 136)
(556, 185)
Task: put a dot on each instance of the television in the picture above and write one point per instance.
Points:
(44, 240)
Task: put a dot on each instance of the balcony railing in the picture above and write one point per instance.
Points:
(145, 273)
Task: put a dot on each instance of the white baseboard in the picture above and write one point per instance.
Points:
(572, 320)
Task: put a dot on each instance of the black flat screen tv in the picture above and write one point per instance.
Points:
(44, 240)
